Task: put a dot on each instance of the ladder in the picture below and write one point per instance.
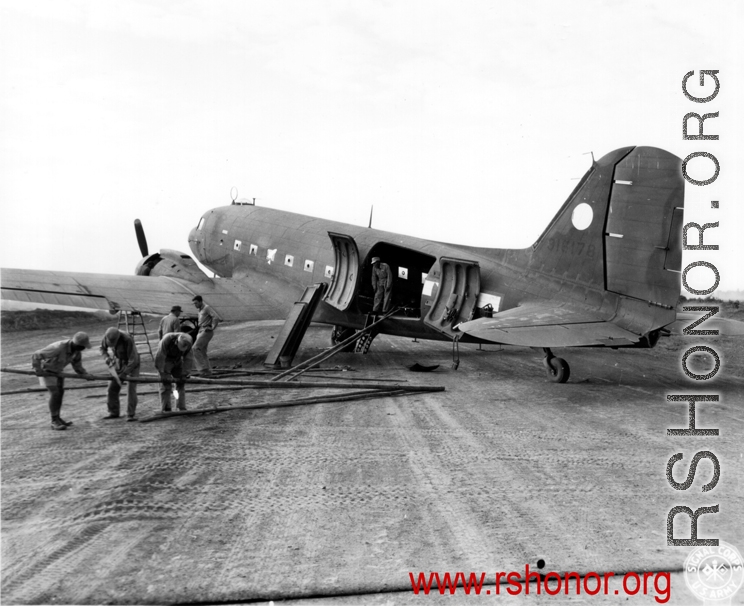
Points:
(363, 344)
(134, 325)
(288, 341)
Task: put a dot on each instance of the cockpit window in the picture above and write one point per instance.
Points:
(201, 223)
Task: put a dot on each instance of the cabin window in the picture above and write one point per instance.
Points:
(237, 245)
(289, 260)
(201, 224)
(253, 249)
(328, 271)
(403, 273)
(309, 265)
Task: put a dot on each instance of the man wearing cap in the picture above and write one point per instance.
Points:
(170, 323)
(169, 358)
(208, 321)
(382, 284)
(120, 353)
(52, 360)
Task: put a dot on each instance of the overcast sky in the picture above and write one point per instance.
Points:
(467, 122)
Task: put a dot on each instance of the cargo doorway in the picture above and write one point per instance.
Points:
(409, 268)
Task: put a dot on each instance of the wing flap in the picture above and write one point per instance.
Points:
(542, 325)
(56, 299)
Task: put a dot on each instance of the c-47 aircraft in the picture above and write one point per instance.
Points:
(604, 273)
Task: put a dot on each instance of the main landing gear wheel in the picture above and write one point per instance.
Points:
(557, 369)
(340, 334)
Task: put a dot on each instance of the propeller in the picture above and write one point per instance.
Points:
(141, 240)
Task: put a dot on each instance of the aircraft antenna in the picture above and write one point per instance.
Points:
(233, 196)
(592, 154)
(370, 216)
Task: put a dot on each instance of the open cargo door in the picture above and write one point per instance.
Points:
(345, 279)
(450, 292)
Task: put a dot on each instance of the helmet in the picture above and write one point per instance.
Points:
(184, 341)
(112, 335)
(81, 339)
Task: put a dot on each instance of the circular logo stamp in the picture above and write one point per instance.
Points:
(714, 573)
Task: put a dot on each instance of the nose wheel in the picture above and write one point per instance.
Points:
(557, 369)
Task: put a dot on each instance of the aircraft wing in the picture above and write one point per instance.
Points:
(542, 324)
(231, 299)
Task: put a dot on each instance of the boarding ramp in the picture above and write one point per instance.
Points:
(288, 341)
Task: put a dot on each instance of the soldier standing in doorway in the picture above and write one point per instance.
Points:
(382, 284)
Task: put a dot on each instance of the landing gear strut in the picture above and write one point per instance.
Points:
(557, 369)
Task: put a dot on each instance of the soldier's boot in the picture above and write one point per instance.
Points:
(58, 424)
(165, 398)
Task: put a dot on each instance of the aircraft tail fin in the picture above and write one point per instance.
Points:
(620, 229)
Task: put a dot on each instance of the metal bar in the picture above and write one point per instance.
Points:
(321, 357)
(44, 389)
(256, 384)
(217, 374)
(365, 395)
(194, 390)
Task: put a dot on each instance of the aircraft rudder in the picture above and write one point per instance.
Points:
(643, 239)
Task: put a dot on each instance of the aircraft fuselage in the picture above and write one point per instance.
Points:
(604, 272)
(279, 254)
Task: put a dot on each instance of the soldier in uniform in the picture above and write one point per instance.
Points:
(170, 323)
(52, 360)
(208, 321)
(382, 284)
(169, 361)
(120, 353)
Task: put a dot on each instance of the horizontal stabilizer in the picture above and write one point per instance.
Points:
(545, 325)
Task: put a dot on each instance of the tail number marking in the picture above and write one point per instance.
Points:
(571, 247)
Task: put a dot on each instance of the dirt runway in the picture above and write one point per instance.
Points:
(501, 470)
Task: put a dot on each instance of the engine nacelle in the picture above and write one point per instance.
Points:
(172, 264)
